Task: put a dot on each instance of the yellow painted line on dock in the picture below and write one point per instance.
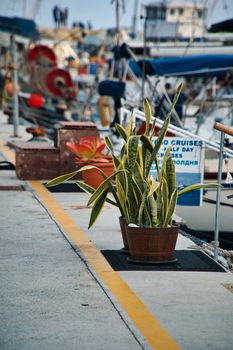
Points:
(151, 329)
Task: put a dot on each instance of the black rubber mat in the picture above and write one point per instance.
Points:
(187, 260)
(65, 187)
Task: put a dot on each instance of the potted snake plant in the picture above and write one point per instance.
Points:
(147, 204)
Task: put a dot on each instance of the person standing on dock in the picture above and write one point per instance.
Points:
(65, 17)
(56, 16)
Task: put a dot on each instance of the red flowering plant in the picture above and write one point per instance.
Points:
(89, 150)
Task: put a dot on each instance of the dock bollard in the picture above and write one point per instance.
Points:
(229, 131)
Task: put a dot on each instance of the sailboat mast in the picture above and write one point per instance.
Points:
(134, 22)
(117, 22)
(25, 9)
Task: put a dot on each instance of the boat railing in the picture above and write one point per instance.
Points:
(229, 131)
(125, 113)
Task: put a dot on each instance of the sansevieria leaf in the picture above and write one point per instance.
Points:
(97, 208)
(60, 179)
(88, 189)
(153, 187)
(105, 184)
(130, 125)
(109, 145)
(171, 209)
(132, 151)
(197, 187)
(148, 113)
(121, 131)
(147, 142)
(163, 131)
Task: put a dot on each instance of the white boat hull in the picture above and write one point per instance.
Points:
(203, 218)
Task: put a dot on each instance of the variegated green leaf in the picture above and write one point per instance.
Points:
(91, 190)
(164, 190)
(152, 132)
(148, 113)
(171, 209)
(141, 208)
(121, 131)
(97, 208)
(132, 151)
(123, 151)
(170, 175)
(197, 187)
(163, 131)
(108, 143)
(153, 186)
(147, 142)
(60, 179)
(153, 210)
(105, 184)
(130, 125)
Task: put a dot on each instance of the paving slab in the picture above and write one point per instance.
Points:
(49, 299)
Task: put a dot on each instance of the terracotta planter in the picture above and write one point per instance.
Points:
(152, 244)
(93, 177)
(123, 224)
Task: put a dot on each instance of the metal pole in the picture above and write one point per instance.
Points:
(216, 232)
(15, 86)
(117, 23)
(144, 57)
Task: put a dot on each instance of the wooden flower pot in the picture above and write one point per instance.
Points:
(152, 245)
(123, 224)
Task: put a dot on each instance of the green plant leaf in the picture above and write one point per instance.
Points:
(109, 144)
(197, 187)
(105, 184)
(164, 190)
(163, 131)
(122, 197)
(141, 208)
(153, 187)
(121, 131)
(153, 129)
(88, 189)
(130, 125)
(60, 179)
(153, 210)
(171, 208)
(170, 175)
(147, 142)
(97, 208)
(132, 151)
(148, 113)
(123, 151)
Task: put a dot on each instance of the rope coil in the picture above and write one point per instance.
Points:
(210, 247)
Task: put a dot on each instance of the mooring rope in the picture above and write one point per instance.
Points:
(209, 248)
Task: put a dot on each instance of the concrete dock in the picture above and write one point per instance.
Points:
(59, 292)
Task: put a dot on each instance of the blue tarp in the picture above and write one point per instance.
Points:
(19, 26)
(198, 64)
